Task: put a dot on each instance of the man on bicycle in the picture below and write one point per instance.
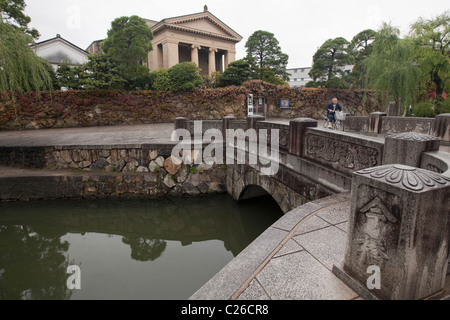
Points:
(331, 112)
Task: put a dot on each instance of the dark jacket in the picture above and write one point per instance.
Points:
(331, 107)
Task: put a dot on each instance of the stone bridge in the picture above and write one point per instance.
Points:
(316, 162)
(398, 227)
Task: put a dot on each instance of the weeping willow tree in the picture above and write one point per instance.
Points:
(392, 70)
(433, 55)
(21, 69)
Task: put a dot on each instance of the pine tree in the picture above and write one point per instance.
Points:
(264, 50)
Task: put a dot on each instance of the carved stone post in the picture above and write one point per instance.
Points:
(375, 122)
(180, 123)
(399, 227)
(252, 121)
(407, 148)
(297, 129)
(442, 127)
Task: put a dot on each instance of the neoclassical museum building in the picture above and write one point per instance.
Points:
(200, 38)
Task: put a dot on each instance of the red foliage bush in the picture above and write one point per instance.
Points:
(113, 107)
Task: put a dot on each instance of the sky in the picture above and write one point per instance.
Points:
(301, 27)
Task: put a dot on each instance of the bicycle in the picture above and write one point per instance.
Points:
(338, 123)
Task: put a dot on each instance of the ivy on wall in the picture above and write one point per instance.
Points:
(113, 107)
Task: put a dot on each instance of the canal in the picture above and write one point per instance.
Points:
(140, 250)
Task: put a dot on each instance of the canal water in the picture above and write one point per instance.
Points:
(140, 250)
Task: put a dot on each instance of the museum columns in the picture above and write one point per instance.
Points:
(170, 54)
(230, 56)
(194, 54)
(212, 61)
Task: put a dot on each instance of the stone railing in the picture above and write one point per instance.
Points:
(333, 156)
(283, 132)
(206, 125)
(379, 123)
(344, 153)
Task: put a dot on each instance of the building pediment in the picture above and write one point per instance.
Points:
(203, 23)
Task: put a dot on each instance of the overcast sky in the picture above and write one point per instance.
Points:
(300, 26)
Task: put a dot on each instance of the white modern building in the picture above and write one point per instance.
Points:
(58, 51)
(299, 77)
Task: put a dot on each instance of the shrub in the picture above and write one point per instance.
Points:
(162, 80)
(185, 77)
(236, 74)
(443, 106)
(425, 109)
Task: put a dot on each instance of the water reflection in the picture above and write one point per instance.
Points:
(143, 249)
(26, 254)
(126, 250)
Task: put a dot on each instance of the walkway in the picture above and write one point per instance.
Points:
(292, 260)
(113, 135)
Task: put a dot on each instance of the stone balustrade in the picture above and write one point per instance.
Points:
(380, 123)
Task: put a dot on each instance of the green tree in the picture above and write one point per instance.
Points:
(329, 61)
(236, 74)
(70, 77)
(20, 68)
(268, 75)
(264, 50)
(361, 48)
(391, 68)
(128, 43)
(185, 77)
(11, 12)
(432, 38)
(52, 74)
(102, 72)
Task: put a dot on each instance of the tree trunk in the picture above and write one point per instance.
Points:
(438, 81)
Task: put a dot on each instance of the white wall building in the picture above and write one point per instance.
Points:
(58, 51)
(299, 77)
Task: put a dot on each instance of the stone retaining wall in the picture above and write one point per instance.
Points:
(107, 173)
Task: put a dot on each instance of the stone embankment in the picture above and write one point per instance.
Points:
(90, 172)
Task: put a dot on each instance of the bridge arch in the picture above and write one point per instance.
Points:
(244, 182)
